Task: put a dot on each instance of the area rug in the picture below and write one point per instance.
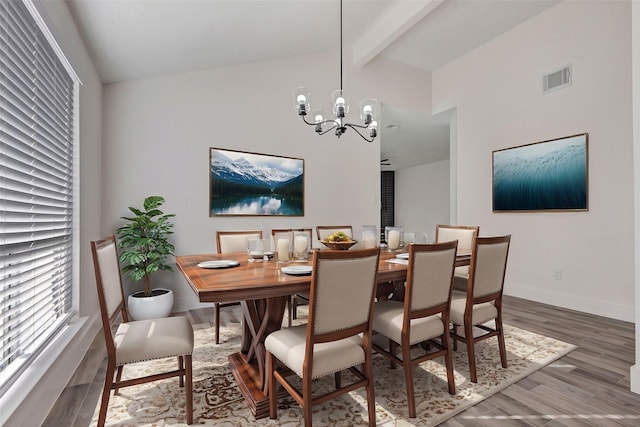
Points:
(218, 402)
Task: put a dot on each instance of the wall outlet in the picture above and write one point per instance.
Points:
(557, 275)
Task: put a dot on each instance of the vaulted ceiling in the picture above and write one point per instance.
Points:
(136, 39)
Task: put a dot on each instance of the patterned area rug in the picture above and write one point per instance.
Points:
(217, 400)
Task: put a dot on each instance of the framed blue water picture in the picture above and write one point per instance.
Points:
(543, 176)
(243, 183)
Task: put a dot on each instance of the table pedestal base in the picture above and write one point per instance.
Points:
(248, 378)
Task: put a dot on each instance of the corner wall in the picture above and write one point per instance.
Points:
(497, 89)
(635, 9)
(422, 197)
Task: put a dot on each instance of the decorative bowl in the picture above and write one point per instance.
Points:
(339, 245)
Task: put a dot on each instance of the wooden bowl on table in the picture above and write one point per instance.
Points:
(339, 245)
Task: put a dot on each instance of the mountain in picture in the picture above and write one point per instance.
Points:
(241, 171)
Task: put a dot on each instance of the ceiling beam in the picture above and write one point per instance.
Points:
(403, 16)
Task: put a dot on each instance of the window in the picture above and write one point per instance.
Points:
(37, 93)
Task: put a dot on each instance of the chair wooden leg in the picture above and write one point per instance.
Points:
(393, 349)
(273, 387)
(338, 379)
(371, 398)
(448, 361)
(116, 390)
(290, 310)
(468, 336)
(306, 401)
(408, 377)
(188, 366)
(181, 367)
(106, 393)
(294, 307)
(454, 330)
(216, 317)
(501, 344)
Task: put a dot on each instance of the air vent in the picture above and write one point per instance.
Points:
(557, 79)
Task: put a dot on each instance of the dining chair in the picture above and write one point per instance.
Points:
(231, 241)
(301, 298)
(140, 340)
(337, 335)
(482, 301)
(464, 234)
(325, 230)
(423, 316)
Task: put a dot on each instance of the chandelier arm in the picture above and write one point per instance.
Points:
(355, 128)
(333, 122)
(321, 123)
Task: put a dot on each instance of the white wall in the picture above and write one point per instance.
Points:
(497, 91)
(52, 370)
(422, 197)
(635, 6)
(158, 133)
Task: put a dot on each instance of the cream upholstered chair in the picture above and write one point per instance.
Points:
(231, 241)
(301, 298)
(424, 314)
(140, 340)
(337, 335)
(482, 300)
(324, 230)
(464, 234)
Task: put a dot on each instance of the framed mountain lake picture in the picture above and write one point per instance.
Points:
(543, 176)
(243, 183)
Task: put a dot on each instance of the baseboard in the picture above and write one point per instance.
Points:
(573, 301)
(188, 303)
(635, 378)
(31, 397)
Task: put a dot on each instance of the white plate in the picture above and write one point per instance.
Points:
(223, 263)
(404, 255)
(297, 270)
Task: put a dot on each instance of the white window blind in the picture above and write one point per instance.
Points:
(36, 190)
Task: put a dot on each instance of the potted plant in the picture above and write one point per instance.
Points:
(144, 245)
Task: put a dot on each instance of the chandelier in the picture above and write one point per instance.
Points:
(321, 120)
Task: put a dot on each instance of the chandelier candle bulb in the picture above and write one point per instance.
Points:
(302, 100)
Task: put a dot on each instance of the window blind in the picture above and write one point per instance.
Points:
(36, 190)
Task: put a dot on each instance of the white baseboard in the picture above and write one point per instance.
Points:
(188, 303)
(573, 302)
(635, 378)
(31, 397)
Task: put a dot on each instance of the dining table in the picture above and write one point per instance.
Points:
(263, 289)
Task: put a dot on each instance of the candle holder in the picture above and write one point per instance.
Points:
(257, 248)
(283, 247)
(301, 245)
(393, 236)
(370, 236)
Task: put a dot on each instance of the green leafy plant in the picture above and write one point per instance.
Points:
(144, 243)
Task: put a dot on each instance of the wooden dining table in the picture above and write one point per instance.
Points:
(263, 290)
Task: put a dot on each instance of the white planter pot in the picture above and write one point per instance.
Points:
(153, 307)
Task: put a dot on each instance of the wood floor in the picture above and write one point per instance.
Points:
(588, 387)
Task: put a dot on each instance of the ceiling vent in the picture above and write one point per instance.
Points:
(557, 79)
